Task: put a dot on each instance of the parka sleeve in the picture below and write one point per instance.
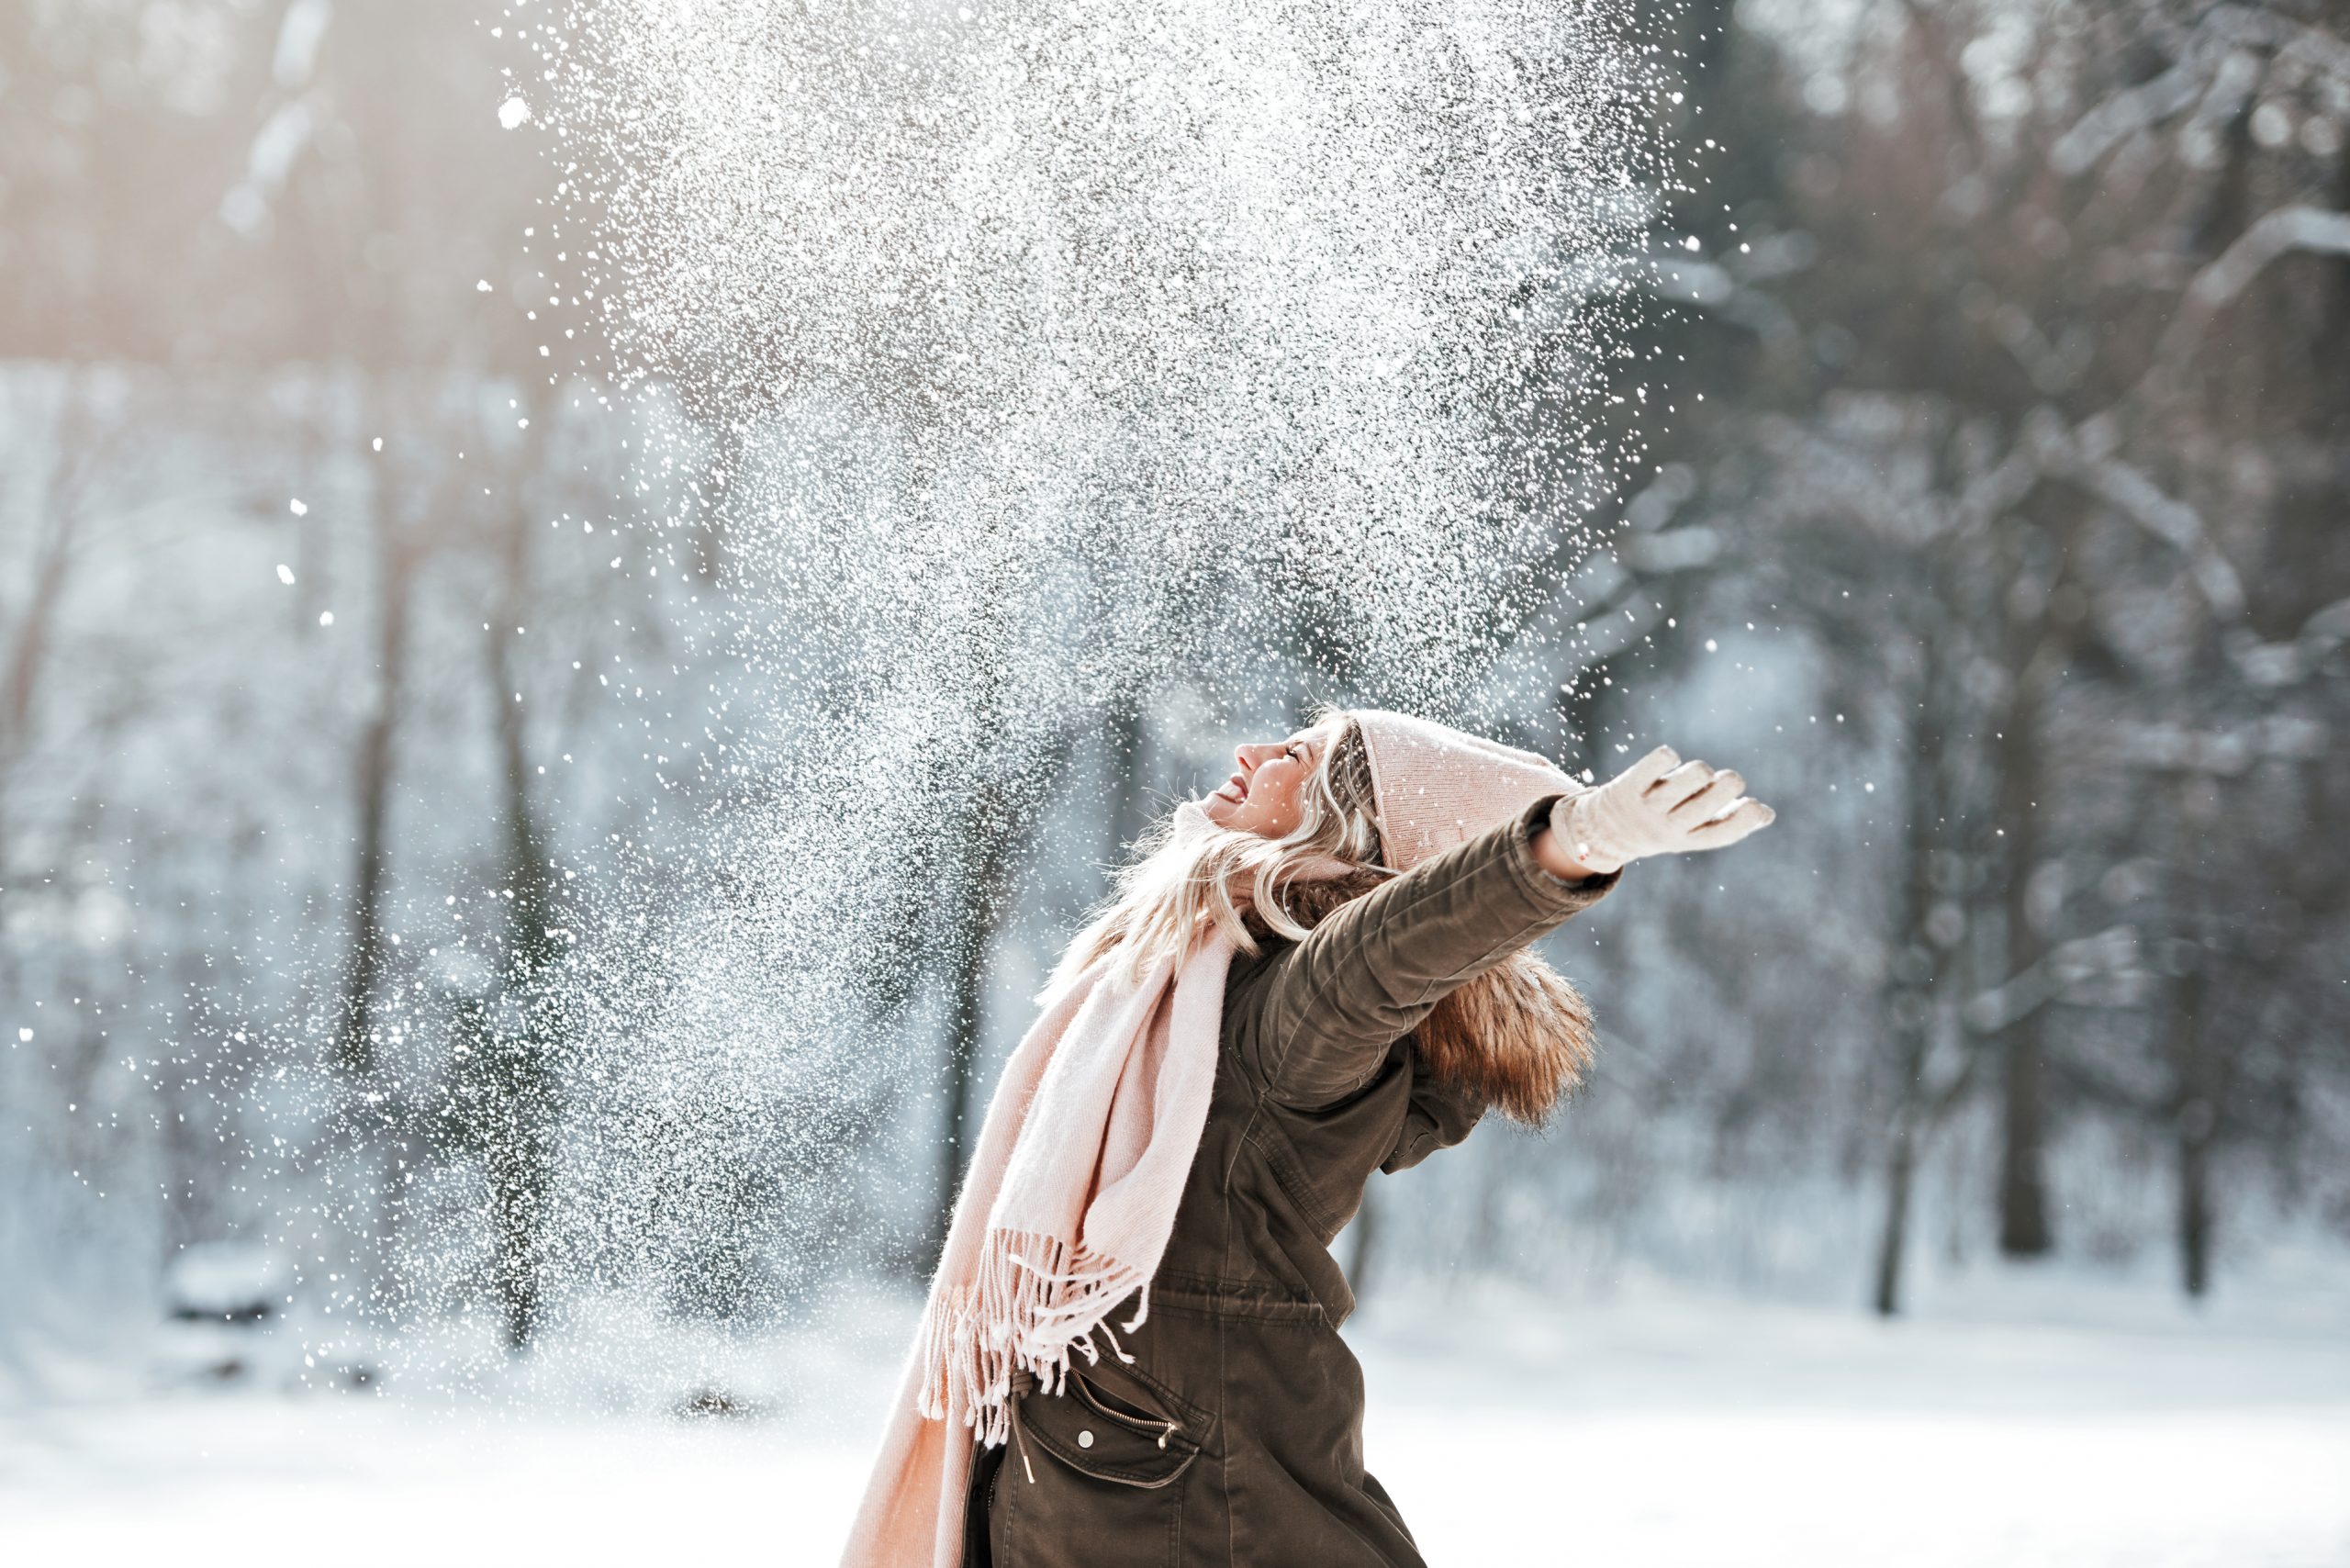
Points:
(1328, 1008)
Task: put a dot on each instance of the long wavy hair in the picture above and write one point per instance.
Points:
(1191, 877)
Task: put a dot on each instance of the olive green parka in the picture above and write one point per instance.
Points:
(1233, 1438)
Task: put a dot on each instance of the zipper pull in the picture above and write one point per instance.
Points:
(1019, 1437)
(1023, 1381)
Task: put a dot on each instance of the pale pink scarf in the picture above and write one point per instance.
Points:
(1065, 1211)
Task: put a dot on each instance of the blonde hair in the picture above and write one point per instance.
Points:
(1191, 877)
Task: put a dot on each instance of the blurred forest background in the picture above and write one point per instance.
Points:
(2004, 550)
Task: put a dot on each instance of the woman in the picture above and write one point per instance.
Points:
(1130, 1354)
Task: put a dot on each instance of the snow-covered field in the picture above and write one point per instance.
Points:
(2015, 1425)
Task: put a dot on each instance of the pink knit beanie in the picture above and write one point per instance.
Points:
(1433, 786)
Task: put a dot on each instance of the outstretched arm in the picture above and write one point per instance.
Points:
(1370, 972)
(1325, 1010)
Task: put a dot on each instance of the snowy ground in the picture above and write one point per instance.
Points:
(2015, 1426)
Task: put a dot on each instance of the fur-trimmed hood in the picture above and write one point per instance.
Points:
(1519, 1038)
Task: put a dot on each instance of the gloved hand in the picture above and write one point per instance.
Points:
(1660, 805)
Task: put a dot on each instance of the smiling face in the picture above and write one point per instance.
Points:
(1265, 795)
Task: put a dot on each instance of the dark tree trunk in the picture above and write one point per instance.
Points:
(1911, 1002)
(523, 1041)
(2024, 1231)
(520, 1152)
(395, 571)
(59, 510)
(1900, 1172)
(31, 647)
(2199, 1094)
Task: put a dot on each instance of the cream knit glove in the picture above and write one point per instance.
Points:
(1660, 805)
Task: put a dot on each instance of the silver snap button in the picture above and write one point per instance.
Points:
(1085, 1439)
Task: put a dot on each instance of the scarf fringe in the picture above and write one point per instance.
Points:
(1034, 1300)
